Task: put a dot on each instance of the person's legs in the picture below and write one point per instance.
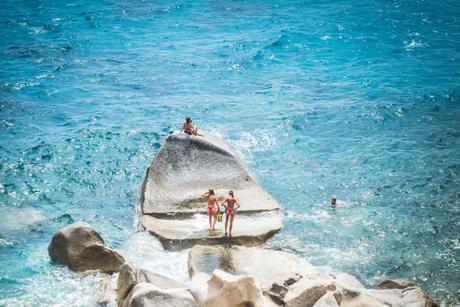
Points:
(231, 224)
(226, 223)
(210, 219)
(214, 215)
(195, 132)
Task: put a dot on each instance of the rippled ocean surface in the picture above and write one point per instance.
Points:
(358, 99)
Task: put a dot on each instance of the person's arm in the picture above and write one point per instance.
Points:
(237, 204)
(205, 194)
(222, 204)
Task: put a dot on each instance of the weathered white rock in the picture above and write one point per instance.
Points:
(226, 290)
(348, 281)
(389, 293)
(280, 275)
(81, 248)
(327, 300)
(179, 233)
(106, 291)
(186, 166)
(307, 291)
(268, 266)
(148, 295)
(139, 287)
(412, 295)
(289, 280)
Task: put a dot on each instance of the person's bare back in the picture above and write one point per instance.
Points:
(211, 200)
(230, 202)
(212, 208)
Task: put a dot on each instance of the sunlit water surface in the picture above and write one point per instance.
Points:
(321, 98)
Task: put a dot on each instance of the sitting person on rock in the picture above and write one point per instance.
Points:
(230, 211)
(213, 207)
(188, 128)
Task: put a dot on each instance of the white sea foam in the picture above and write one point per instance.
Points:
(145, 251)
(18, 218)
(410, 45)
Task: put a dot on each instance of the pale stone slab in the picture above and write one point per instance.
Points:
(176, 234)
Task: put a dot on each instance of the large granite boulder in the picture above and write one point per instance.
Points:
(185, 167)
(226, 290)
(289, 280)
(81, 248)
(139, 287)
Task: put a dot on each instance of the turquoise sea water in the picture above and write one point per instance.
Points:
(349, 98)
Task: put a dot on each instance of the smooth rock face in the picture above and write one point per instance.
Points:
(180, 233)
(106, 290)
(187, 166)
(226, 290)
(139, 287)
(149, 295)
(268, 266)
(327, 300)
(411, 296)
(306, 292)
(81, 248)
(411, 293)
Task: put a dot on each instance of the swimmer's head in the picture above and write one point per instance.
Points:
(333, 200)
(231, 193)
(211, 192)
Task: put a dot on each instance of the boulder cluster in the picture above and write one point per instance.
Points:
(222, 272)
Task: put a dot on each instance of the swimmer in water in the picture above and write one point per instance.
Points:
(333, 202)
(188, 127)
(212, 209)
(230, 211)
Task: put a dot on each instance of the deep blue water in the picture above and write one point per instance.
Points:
(349, 98)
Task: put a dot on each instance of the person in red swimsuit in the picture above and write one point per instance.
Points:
(230, 211)
(212, 209)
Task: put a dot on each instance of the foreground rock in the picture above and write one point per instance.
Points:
(187, 166)
(226, 290)
(139, 287)
(81, 248)
(106, 291)
(289, 280)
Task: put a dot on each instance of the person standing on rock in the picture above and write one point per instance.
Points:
(188, 128)
(213, 207)
(230, 211)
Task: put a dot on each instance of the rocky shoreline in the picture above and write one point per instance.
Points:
(222, 272)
